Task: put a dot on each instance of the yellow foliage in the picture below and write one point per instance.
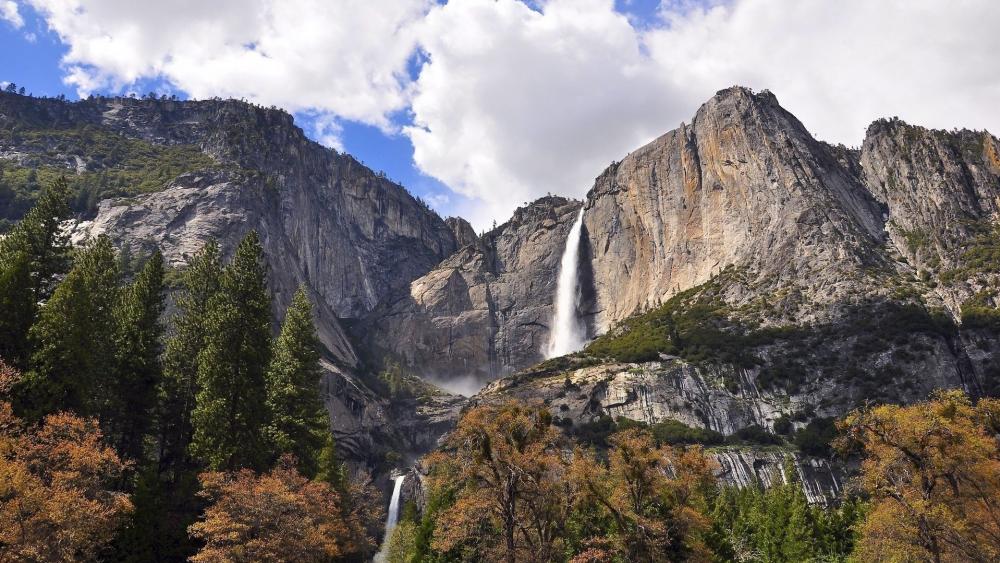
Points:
(517, 486)
(933, 472)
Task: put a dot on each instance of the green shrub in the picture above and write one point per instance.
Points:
(783, 425)
(693, 324)
(816, 437)
(754, 434)
(676, 432)
(979, 313)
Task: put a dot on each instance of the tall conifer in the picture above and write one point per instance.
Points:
(230, 414)
(32, 256)
(199, 284)
(73, 339)
(138, 341)
(299, 421)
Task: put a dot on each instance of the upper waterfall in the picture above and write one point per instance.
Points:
(568, 332)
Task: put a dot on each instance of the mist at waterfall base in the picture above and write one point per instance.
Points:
(568, 332)
(466, 385)
(391, 519)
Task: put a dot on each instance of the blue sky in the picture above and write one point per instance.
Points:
(31, 57)
(479, 106)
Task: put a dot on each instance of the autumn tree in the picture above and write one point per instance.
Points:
(299, 421)
(511, 493)
(230, 411)
(73, 339)
(277, 516)
(58, 500)
(653, 495)
(933, 473)
(32, 255)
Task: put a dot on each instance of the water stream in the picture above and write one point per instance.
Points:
(568, 331)
(391, 519)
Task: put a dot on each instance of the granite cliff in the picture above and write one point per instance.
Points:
(737, 275)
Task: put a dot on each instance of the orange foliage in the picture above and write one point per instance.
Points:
(512, 500)
(57, 502)
(654, 494)
(277, 516)
(933, 472)
(519, 493)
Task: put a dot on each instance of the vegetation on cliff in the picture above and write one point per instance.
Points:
(109, 165)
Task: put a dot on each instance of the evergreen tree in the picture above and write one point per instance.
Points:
(131, 402)
(17, 301)
(199, 284)
(230, 413)
(32, 256)
(73, 338)
(299, 422)
(329, 468)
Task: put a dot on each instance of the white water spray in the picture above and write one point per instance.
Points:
(391, 519)
(568, 333)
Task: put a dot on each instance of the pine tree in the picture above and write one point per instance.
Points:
(32, 256)
(299, 421)
(73, 338)
(199, 284)
(132, 399)
(329, 468)
(230, 413)
(165, 495)
(17, 301)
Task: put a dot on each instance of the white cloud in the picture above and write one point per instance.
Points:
(327, 130)
(346, 57)
(516, 102)
(10, 14)
(516, 99)
(839, 65)
(437, 200)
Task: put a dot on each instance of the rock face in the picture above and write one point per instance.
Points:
(817, 233)
(349, 235)
(485, 310)
(744, 184)
(941, 190)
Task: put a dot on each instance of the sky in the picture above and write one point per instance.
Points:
(479, 106)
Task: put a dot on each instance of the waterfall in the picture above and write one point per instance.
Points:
(568, 333)
(391, 518)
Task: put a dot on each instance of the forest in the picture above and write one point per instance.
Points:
(128, 434)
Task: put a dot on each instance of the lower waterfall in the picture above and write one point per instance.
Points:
(568, 332)
(391, 518)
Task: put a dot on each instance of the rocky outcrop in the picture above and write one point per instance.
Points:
(822, 481)
(744, 184)
(485, 310)
(941, 190)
